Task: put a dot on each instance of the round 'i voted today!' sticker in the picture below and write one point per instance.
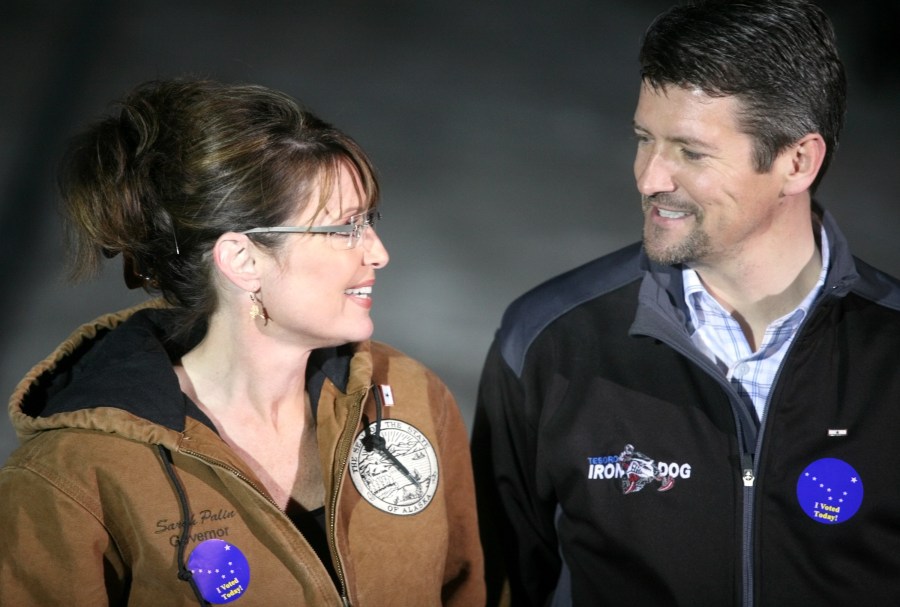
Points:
(220, 570)
(830, 491)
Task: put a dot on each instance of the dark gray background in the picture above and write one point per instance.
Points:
(501, 131)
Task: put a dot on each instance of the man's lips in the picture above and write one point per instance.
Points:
(668, 207)
(671, 213)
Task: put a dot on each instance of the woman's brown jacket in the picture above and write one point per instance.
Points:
(122, 492)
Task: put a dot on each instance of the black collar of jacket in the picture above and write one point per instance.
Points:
(129, 367)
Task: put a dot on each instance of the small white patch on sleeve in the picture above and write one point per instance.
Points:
(387, 394)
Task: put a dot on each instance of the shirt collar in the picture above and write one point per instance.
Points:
(696, 296)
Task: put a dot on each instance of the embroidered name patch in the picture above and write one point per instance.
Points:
(830, 491)
(396, 469)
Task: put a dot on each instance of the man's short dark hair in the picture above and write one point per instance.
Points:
(777, 57)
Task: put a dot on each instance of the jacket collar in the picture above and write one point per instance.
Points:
(123, 361)
(662, 291)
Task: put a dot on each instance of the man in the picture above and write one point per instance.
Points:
(710, 418)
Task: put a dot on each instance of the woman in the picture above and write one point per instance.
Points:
(240, 438)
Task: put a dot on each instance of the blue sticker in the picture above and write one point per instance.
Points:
(220, 570)
(830, 491)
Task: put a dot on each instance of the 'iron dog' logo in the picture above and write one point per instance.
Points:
(635, 470)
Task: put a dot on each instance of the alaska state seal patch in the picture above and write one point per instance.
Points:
(395, 470)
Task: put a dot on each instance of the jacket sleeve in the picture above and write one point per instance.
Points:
(522, 560)
(55, 552)
(464, 571)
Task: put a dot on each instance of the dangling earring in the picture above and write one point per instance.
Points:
(257, 310)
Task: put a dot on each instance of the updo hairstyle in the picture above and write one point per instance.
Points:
(184, 161)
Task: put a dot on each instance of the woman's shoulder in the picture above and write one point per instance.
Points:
(75, 462)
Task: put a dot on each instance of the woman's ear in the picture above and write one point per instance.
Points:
(238, 259)
(802, 162)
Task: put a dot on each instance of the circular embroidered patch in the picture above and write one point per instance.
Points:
(396, 471)
(830, 491)
(220, 570)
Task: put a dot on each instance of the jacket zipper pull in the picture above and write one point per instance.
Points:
(748, 477)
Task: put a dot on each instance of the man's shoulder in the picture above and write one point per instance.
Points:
(532, 312)
(877, 286)
(569, 289)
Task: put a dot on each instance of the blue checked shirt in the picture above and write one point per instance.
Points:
(719, 336)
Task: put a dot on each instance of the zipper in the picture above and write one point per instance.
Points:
(345, 601)
(232, 470)
(214, 462)
(749, 478)
(343, 455)
(748, 465)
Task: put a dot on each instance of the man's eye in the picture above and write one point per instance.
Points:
(641, 139)
(692, 155)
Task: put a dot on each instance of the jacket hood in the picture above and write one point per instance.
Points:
(114, 374)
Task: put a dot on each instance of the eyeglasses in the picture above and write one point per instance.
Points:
(347, 236)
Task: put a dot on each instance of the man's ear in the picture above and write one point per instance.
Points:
(237, 259)
(802, 162)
